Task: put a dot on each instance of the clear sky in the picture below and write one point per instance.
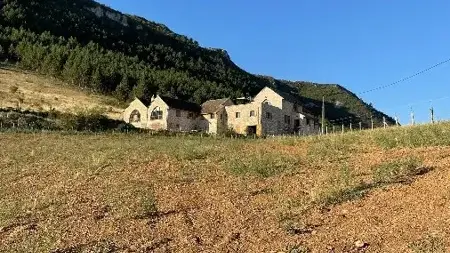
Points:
(358, 44)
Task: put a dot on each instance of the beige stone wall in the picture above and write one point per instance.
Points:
(158, 124)
(239, 125)
(171, 120)
(209, 124)
(271, 96)
(182, 121)
(139, 106)
(216, 125)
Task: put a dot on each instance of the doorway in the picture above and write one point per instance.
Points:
(251, 130)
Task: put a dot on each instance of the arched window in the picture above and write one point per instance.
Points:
(157, 113)
(135, 116)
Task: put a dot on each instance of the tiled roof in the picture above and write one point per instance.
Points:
(180, 104)
(211, 106)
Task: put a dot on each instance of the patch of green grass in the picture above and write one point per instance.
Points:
(260, 164)
(338, 196)
(398, 171)
(333, 146)
(149, 206)
(297, 249)
(341, 187)
(416, 136)
(428, 244)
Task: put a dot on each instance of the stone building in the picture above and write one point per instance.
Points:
(137, 113)
(214, 117)
(270, 112)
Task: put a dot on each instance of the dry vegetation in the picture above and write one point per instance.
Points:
(34, 92)
(374, 191)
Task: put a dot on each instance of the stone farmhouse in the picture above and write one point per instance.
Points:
(270, 112)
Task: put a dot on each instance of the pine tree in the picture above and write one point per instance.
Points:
(123, 89)
(97, 80)
(2, 53)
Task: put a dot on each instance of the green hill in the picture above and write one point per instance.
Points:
(97, 48)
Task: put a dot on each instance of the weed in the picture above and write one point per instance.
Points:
(337, 196)
(297, 249)
(398, 171)
(429, 244)
(148, 207)
(263, 164)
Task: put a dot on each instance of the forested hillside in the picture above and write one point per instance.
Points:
(97, 48)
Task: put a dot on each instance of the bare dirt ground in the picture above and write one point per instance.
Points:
(31, 91)
(137, 193)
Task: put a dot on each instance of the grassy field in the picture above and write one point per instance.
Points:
(370, 191)
(34, 92)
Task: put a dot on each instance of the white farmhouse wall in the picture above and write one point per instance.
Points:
(141, 108)
(158, 124)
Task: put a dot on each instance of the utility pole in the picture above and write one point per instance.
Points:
(351, 127)
(371, 120)
(360, 126)
(384, 122)
(323, 115)
(413, 120)
(432, 115)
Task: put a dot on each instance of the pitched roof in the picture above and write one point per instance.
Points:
(212, 106)
(180, 104)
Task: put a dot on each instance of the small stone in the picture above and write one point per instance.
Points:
(361, 244)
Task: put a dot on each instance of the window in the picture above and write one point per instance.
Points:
(135, 116)
(190, 115)
(252, 113)
(287, 119)
(238, 115)
(156, 114)
(178, 113)
(212, 116)
(268, 115)
(307, 122)
(221, 116)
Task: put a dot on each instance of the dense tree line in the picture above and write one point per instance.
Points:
(96, 48)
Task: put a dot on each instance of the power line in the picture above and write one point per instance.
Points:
(406, 78)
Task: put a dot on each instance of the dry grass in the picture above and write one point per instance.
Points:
(38, 93)
(138, 193)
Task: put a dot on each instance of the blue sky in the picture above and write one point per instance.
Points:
(358, 44)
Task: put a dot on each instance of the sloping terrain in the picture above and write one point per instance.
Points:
(34, 92)
(97, 48)
(370, 191)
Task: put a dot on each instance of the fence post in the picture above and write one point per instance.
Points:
(351, 127)
(342, 128)
(360, 126)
